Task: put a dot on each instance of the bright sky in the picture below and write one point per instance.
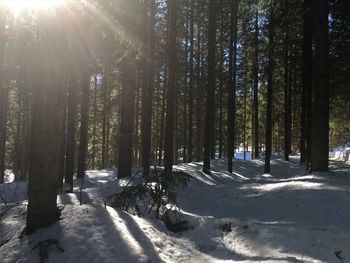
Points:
(16, 6)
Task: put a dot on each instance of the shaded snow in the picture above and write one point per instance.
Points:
(285, 216)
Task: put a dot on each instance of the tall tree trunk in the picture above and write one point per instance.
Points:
(137, 122)
(161, 136)
(320, 87)
(147, 93)
(256, 87)
(108, 126)
(61, 166)
(127, 115)
(3, 120)
(191, 87)
(307, 82)
(208, 133)
(71, 142)
(287, 95)
(171, 92)
(46, 127)
(231, 100)
(104, 119)
(307, 74)
(94, 129)
(4, 94)
(199, 149)
(269, 98)
(221, 81)
(186, 86)
(245, 114)
(84, 115)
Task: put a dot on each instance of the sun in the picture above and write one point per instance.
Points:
(16, 6)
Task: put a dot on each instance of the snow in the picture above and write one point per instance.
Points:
(285, 216)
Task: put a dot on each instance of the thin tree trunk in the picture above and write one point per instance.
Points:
(231, 100)
(61, 166)
(161, 136)
(104, 119)
(3, 121)
(71, 142)
(199, 149)
(85, 87)
(4, 95)
(108, 125)
(186, 86)
(171, 91)
(191, 87)
(256, 87)
(287, 95)
(269, 98)
(147, 94)
(137, 115)
(94, 129)
(221, 82)
(305, 135)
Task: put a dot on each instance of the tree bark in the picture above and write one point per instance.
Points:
(171, 91)
(320, 87)
(209, 116)
(84, 115)
(287, 95)
(191, 87)
(256, 87)
(186, 87)
(94, 128)
(147, 92)
(4, 94)
(127, 115)
(231, 100)
(71, 142)
(46, 134)
(269, 97)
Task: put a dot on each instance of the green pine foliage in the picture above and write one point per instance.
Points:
(153, 194)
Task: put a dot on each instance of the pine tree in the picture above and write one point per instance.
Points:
(171, 87)
(320, 87)
(269, 97)
(209, 116)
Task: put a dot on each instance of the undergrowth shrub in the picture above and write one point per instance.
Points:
(152, 194)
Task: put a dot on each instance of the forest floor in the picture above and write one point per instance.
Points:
(285, 216)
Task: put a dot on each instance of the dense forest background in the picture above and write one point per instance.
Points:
(142, 83)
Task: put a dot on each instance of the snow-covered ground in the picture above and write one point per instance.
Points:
(285, 216)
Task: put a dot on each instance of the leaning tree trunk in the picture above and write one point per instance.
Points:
(320, 87)
(208, 133)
